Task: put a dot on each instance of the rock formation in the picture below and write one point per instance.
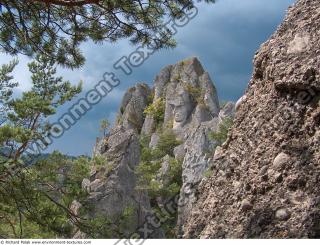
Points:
(111, 186)
(265, 177)
(190, 109)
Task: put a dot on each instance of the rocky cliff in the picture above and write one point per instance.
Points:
(265, 178)
(184, 103)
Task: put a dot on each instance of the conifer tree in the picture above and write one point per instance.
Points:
(56, 28)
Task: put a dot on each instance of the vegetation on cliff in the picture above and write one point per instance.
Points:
(160, 185)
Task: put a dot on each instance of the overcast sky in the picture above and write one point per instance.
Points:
(224, 36)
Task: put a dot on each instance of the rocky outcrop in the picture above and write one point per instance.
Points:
(265, 178)
(191, 111)
(189, 94)
(130, 114)
(132, 106)
(185, 101)
(196, 162)
(111, 186)
(198, 159)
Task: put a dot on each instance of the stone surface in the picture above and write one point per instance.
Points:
(132, 107)
(179, 152)
(282, 214)
(196, 162)
(189, 94)
(192, 111)
(164, 170)
(279, 114)
(281, 161)
(74, 207)
(228, 111)
(86, 184)
(246, 205)
(148, 125)
(240, 102)
(154, 140)
(115, 190)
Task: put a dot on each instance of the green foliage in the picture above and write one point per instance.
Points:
(6, 88)
(195, 93)
(121, 110)
(164, 187)
(6, 84)
(167, 142)
(149, 180)
(27, 116)
(221, 135)
(104, 127)
(148, 170)
(150, 97)
(156, 110)
(144, 140)
(101, 227)
(208, 173)
(169, 227)
(175, 175)
(57, 28)
(99, 160)
(34, 202)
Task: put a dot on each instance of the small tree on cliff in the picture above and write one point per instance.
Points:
(104, 127)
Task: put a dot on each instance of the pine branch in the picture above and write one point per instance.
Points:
(67, 3)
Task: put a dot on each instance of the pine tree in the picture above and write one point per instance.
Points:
(27, 116)
(6, 88)
(35, 200)
(56, 28)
